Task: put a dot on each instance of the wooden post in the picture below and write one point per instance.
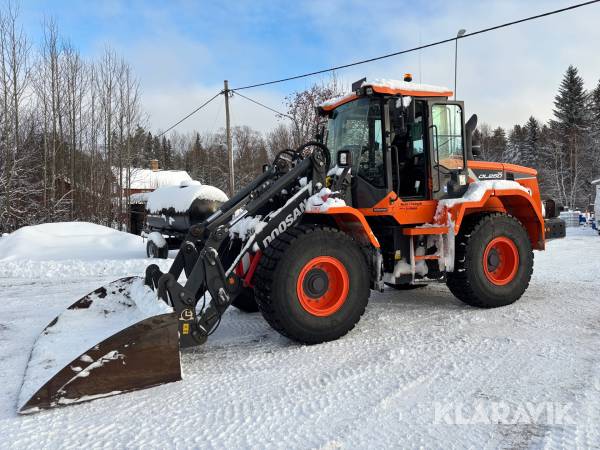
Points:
(228, 134)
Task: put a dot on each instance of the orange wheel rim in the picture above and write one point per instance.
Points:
(323, 286)
(501, 261)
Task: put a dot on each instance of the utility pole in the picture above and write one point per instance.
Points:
(228, 134)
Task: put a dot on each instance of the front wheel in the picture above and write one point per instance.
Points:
(493, 261)
(312, 284)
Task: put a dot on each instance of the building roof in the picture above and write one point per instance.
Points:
(152, 179)
(393, 87)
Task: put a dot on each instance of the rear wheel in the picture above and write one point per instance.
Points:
(493, 262)
(312, 284)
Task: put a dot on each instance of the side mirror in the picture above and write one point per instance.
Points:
(476, 150)
(266, 167)
(344, 158)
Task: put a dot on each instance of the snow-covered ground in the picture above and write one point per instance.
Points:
(420, 369)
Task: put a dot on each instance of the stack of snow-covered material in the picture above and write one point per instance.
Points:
(178, 207)
(180, 198)
(70, 241)
(571, 218)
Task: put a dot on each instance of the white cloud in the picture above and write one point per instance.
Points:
(504, 76)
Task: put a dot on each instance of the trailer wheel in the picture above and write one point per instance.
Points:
(493, 261)
(154, 251)
(312, 284)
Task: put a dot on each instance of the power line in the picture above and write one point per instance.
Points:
(212, 128)
(421, 47)
(270, 109)
(263, 105)
(194, 112)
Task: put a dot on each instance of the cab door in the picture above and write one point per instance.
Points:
(447, 153)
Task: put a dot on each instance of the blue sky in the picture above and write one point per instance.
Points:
(182, 50)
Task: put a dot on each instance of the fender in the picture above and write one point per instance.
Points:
(353, 222)
(513, 201)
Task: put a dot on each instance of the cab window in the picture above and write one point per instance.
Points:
(356, 126)
(447, 135)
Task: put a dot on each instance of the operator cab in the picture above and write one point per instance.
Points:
(403, 137)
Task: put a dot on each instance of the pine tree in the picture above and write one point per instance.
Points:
(137, 142)
(571, 101)
(202, 158)
(147, 150)
(497, 145)
(530, 154)
(571, 139)
(515, 147)
(595, 132)
(166, 153)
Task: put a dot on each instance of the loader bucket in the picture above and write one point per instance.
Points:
(117, 339)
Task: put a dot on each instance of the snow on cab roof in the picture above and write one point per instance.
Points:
(596, 181)
(152, 179)
(393, 87)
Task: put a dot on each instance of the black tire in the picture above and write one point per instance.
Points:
(277, 276)
(154, 251)
(469, 282)
(245, 301)
(405, 287)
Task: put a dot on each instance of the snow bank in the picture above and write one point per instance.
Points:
(56, 347)
(180, 198)
(69, 269)
(70, 240)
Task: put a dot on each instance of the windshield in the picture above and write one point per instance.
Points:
(356, 126)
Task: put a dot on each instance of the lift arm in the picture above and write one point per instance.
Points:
(199, 257)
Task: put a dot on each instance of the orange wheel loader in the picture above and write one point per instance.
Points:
(388, 194)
